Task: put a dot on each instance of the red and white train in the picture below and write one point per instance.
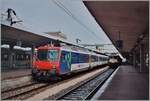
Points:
(53, 62)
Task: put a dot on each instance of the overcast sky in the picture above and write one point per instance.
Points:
(71, 17)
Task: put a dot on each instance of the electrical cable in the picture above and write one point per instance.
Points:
(60, 5)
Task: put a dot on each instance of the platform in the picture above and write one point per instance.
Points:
(127, 84)
(15, 73)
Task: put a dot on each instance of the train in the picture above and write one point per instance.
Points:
(114, 61)
(52, 62)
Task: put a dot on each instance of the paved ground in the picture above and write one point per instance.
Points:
(14, 73)
(14, 77)
(127, 84)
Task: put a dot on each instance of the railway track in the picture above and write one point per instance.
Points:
(27, 90)
(22, 92)
(86, 90)
(16, 87)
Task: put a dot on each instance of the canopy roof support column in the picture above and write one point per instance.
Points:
(134, 58)
(32, 56)
(11, 55)
(141, 57)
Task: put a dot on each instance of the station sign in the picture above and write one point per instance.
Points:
(119, 44)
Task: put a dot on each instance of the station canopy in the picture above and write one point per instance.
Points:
(11, 35)
(123, 21)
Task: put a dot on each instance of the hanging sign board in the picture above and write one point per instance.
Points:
(119, 44)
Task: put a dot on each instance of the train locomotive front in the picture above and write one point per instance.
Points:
(46, 64)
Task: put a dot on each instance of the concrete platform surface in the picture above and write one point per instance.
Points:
(127, 84)
(15, 73)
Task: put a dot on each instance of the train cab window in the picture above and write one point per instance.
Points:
(42, 54)
(53, 55)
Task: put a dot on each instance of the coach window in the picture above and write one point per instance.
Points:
(92, 59)
(82, 58)
(99, 58)
(86, 58)
(102, 58)
(96, 58)
(74, 58)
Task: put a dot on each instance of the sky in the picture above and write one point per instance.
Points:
(71, 17)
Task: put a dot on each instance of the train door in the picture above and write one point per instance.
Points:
(65, 62)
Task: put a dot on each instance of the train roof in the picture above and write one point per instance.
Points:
(47, 47)
(72, 44)
(75, 49)
(72, 48)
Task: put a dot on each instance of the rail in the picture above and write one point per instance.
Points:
(86, 90)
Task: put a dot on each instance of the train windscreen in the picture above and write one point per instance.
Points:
(42, 55)
(53, 55)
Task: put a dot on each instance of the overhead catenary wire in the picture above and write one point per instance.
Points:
(66, 10)
(60, 5)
